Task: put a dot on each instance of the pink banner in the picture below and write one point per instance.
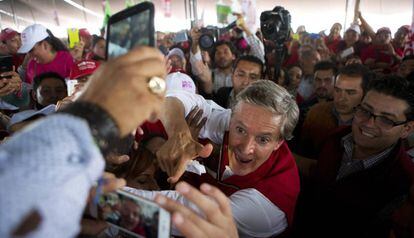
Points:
(167, 8)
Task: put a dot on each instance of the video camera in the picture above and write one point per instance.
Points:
(210, 34)
(275, 25)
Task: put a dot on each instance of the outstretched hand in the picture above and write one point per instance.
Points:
(218, 221)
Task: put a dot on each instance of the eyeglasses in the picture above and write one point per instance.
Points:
(381, 121)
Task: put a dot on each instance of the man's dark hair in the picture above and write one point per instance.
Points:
(398, 87)
(357, 70)
(223, 42)
(39, 78)
(325, 65)
(249, 58)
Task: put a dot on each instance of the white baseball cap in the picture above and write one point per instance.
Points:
(355, 27)
(176, 51)
(180, 81)
(31, 35)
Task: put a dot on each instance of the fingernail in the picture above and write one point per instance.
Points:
(183, 188)
(124, 158)
(160, 200)
(178, 219)
(205, 187)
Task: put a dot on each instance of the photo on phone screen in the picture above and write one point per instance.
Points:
(130, 28)
(133, 216)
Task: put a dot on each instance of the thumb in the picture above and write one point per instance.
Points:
(179, 170)
(205, 150)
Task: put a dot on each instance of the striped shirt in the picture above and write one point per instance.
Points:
(350, 166)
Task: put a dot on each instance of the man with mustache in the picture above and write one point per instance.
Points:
(322, 118)
(323, 85)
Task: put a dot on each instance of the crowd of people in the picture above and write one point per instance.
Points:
(326, 149)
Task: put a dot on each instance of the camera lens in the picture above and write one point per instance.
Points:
(206, 42)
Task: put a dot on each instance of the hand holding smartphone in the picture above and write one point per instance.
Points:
(347, 52)
(6, 65)
(133, 216)
(130, 28)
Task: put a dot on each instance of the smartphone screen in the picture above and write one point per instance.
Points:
(6, 63)
(181, 37)
(347, 52)
(130, 28)
(133, 216)
(71, 86)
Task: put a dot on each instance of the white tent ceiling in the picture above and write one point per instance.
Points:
(316, 15)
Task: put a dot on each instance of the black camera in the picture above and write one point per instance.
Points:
(208, 37)
(275, 25)
(210, 34)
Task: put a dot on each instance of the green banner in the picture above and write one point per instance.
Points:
(222, 13)
(107, 13)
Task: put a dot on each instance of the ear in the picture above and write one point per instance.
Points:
(279, 143)
(33, 94)
(407, 130)
(45, 45)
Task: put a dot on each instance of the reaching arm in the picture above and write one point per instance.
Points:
(198, 67)
(256, 45)
(253, 213)
(366, 26)
(180, 147)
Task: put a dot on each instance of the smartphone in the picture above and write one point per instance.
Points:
(71, 86)
(6, 64)
(181, 37)
(73, 37)
(132, 216)
(347, 52)
(130, 28)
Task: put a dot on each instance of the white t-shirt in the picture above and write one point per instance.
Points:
(254, 214)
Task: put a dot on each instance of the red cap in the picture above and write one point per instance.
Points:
(84, 33)
(384, 29)
(7, 34)
(83, 68)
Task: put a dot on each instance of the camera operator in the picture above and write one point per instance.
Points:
(223, 56)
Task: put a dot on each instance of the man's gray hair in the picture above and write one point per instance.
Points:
(276, 99)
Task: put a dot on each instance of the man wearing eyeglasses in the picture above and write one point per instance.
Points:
(363, 171)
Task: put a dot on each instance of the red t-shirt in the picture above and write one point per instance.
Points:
(61, 64)
(377, 52)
